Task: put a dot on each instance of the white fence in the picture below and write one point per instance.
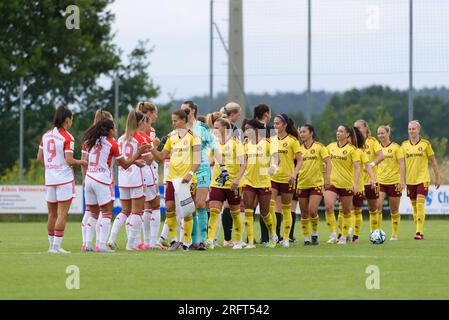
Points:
(31, 200)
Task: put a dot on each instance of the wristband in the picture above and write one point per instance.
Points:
(372, 164)
(191, 173)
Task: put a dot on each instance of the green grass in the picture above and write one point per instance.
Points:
(409, 269)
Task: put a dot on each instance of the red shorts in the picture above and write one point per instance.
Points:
(341, 192)
(370, 193)
(170, 191)
(258, 191)
(306, 193)
(357, 200)
(219, 194)
(391, 190)
(283, 187)
(414, 190)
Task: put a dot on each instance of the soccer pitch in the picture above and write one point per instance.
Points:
(408, 269)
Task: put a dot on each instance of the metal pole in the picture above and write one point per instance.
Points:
(116, 103)
(410, 76)
(309, 63)
(211, 58)
(21, 132)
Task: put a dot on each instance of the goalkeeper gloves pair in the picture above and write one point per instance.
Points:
(223, 177)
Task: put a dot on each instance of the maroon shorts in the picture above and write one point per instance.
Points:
(170, 191)
(341, 192)
(306, 193)
(283, 187)
(258, 191)
(414, 190)
(372, 194)
(357, 200)
(219, 194)
(391, 190)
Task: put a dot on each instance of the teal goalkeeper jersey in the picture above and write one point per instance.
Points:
(203, 131)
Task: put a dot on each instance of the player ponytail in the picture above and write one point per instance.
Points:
(101, 114)
(182, 114)
(132, 123)
(96, 131)
(212, 117)
(357, 138)
(146, 107)
(62, 113)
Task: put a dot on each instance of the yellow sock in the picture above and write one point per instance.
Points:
(340, 221)
(331, 222)
(373, 223)
(268, 220)
(420, 214)
(249, 225)
(237, 225)
(357, 213)
(314, 221)
(305, 225)
(414, 209)
(273, 217)
(287, 220)
(346, 224)
(188, 226)
(213, 223)
(352, 220)
(379, 219)
(395, 220)
(172, 225)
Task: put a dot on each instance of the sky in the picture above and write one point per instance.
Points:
(355, 43)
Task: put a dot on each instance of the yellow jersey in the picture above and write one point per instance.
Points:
(363, 160)
(181, 153)
(342, 159)
(258, 160)
(417, 161)
(231, 152)
(388, 169)
(311, 172)
(287, 147)
(372, 146)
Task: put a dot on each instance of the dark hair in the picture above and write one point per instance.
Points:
(356, 136)
(311, 129)
(62, 113)
(96, 131)
(255, 124)
(182, 114)
(260, 110)
(202, 119)
(192, 105)
(291, 129)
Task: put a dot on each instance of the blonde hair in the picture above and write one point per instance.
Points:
(146, 106)
(415, 122)
(386, 128)
(212, 117)
(224, 122)
(365, 124)
(132, 123)
(100, 114)
(230, 108)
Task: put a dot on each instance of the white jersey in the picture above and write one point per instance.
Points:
(150, 174)
(133, 176)
(100, 159)
(54, 144)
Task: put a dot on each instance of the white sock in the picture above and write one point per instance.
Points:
(84, 225)
(146, 226)
(135, 224)
(51, 240)
(164, 233)
(57, 241)
(155, 223)
(127, 225)
(105, 227)
(97, 231)
(91, 225)
(180, 229)
(119, 221)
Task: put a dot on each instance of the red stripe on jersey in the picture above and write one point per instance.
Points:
(68, 138)
(114, 151)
